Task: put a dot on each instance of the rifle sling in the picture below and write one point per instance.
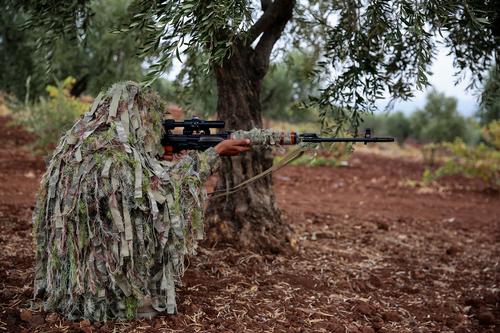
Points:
(288, 158)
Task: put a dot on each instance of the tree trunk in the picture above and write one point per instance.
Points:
(250, 217)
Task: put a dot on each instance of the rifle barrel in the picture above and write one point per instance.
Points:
(360, 139)
(313, 137)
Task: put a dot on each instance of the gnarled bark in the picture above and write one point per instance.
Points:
(250, 217)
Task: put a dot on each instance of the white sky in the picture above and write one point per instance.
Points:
(442, 80)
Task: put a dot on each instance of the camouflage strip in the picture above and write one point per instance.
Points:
(106, 168)
(88, 115)
(138, 176)
(117, 93)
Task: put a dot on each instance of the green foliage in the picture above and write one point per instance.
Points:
(491, 134)
(287, 84)
(490, 99)
(195, 88)
(166, 89)
(399, 126)
(472, 131)
(131, 304)
(171, 28)
(16, 55)
(439, 121)
(392, 124)
(49, 117)
(366, 48)
(105, 58)
(101, 60)
(481, 161)
(379, 46)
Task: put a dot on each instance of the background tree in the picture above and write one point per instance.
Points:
(195, 91)
(489, 109)
(394, 124)
(439, 121)
(287, 84)
(17, 47)
(104, 57)
(399, 126)
(97, 61)
(366, 48)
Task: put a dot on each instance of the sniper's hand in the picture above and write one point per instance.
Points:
(232, 147)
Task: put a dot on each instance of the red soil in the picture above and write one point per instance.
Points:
(376, 255)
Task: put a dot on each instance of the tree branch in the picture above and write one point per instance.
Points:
(273, 33)
(264, 4)
(272, 14)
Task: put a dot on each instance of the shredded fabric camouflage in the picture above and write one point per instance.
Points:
(270, 138)
(112, 222)
(265, 137)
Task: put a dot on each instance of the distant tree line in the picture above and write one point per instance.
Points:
(438, 121)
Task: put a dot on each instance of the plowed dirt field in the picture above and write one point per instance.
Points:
(376, 254)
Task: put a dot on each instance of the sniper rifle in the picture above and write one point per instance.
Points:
(197, 135)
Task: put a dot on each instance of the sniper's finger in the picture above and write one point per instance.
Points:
(241, 142)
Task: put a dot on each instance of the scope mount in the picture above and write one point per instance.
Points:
(193, 125)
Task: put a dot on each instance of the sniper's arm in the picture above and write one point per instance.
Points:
(209, 159)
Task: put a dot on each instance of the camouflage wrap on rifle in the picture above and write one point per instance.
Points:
(268, 138)
(112, 223)
(265, 137)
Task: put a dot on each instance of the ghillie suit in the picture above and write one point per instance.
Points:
(112, 222)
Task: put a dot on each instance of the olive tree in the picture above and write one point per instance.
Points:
(367, 49)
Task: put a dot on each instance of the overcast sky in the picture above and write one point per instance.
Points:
(442, 80)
